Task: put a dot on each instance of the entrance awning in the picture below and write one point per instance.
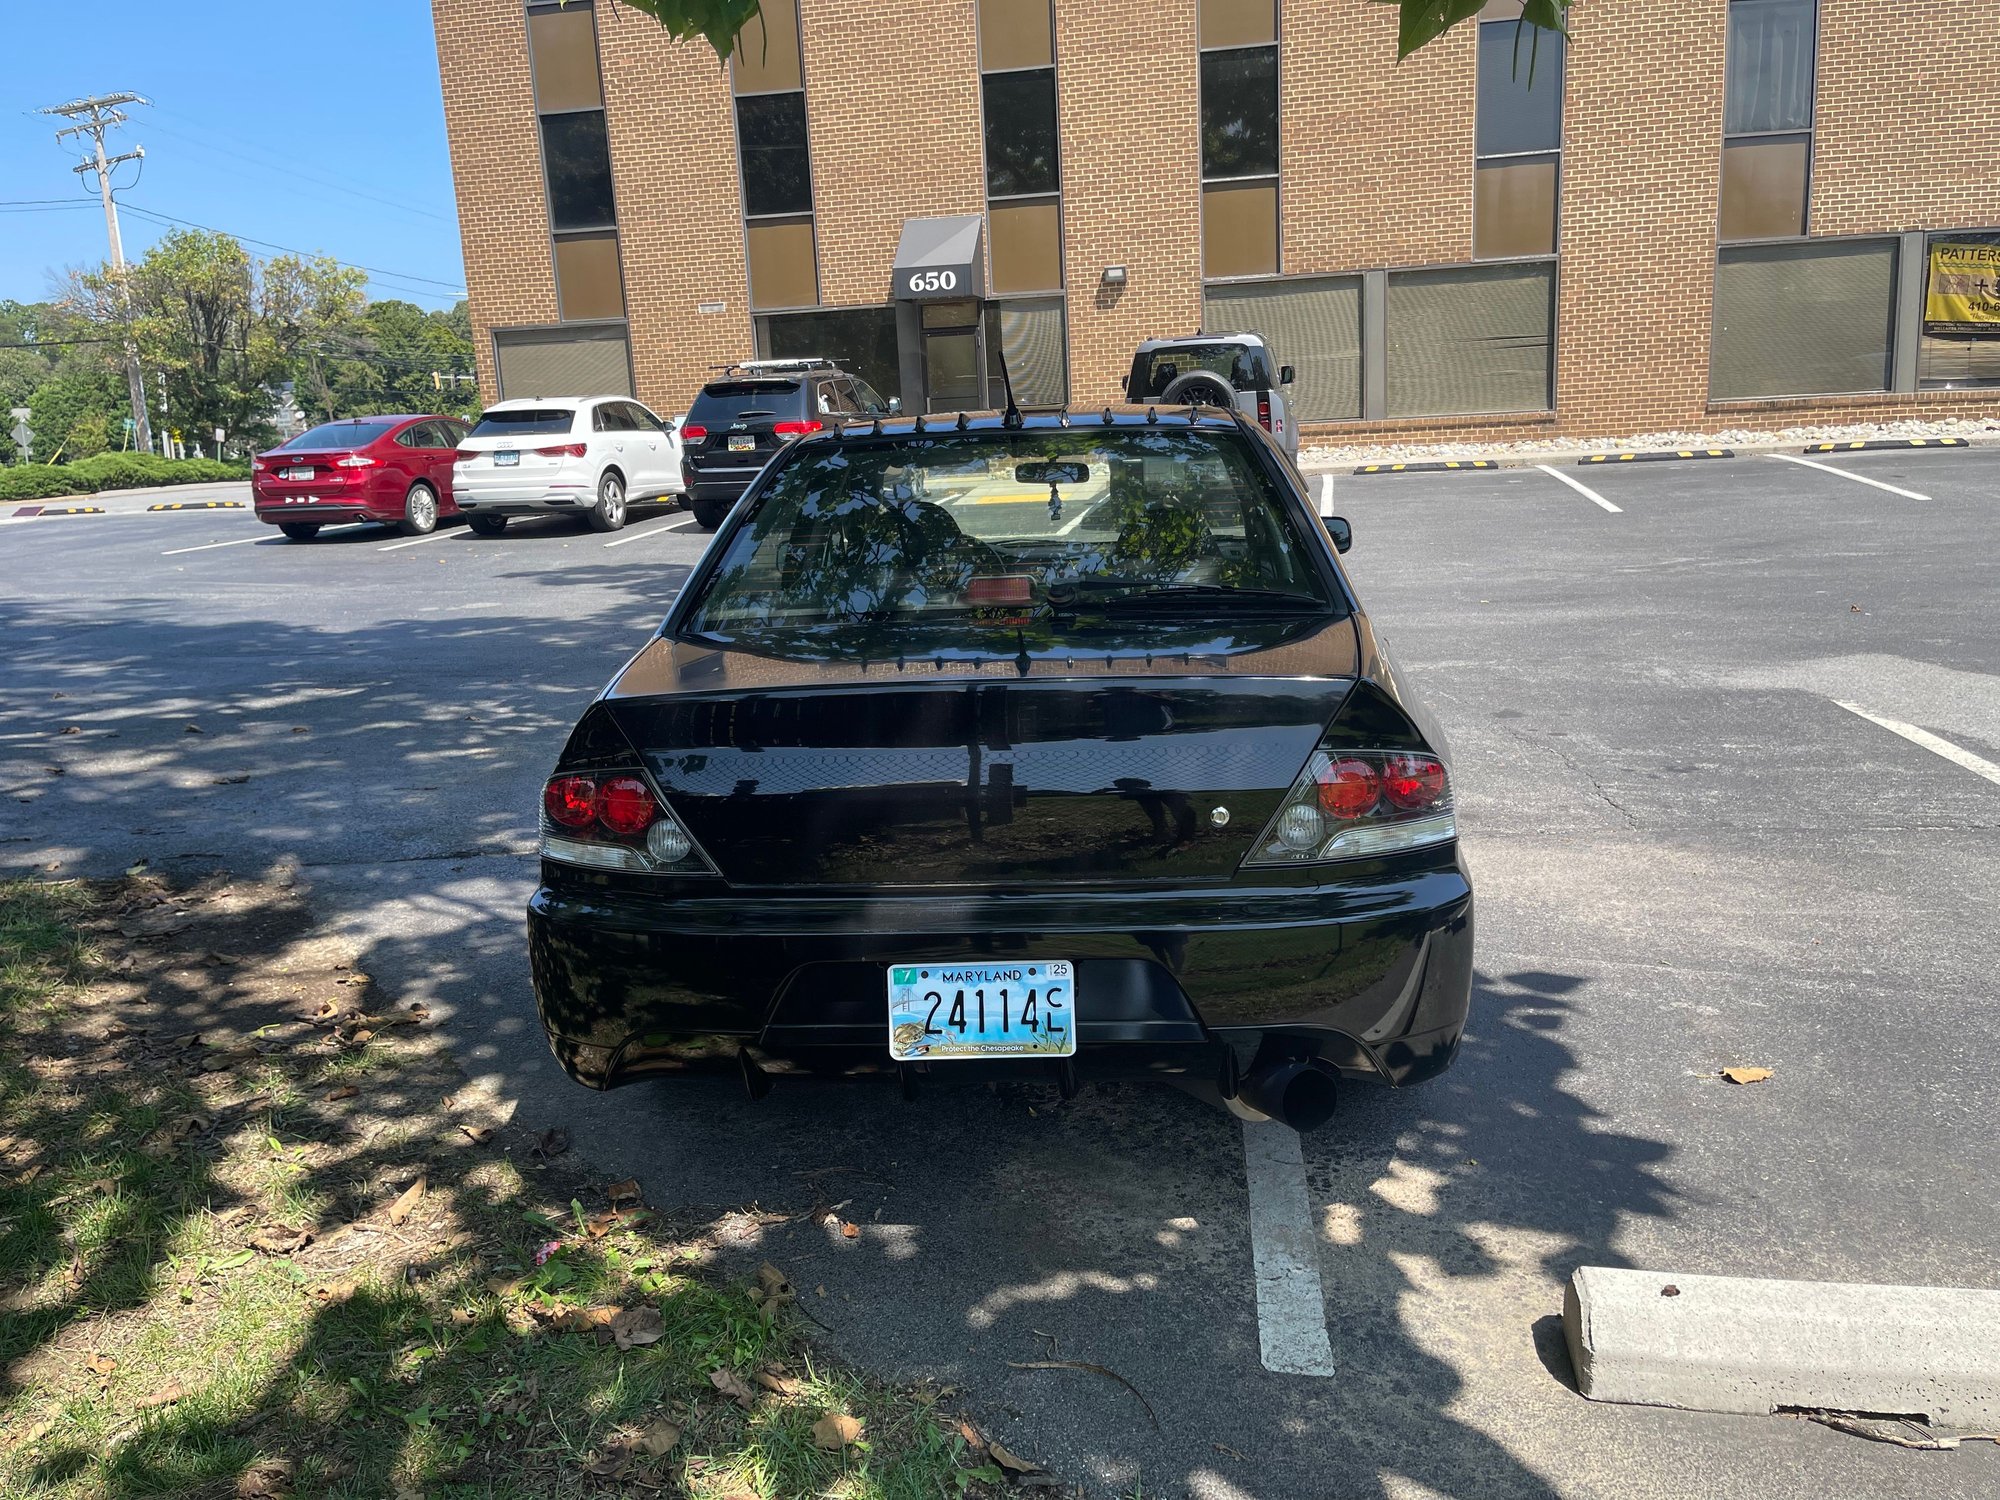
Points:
(941, 257)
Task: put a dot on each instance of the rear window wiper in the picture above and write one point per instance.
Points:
(1210, 593)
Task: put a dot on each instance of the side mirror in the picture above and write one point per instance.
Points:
(1340, 531)
(895, 405)
(1286, 375)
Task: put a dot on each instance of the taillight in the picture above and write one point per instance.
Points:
(693, 434)
(1264, 411)
(563, 450)
(797, 429)
(465, 455)
(614, 822)
(355, 461)
(1357, 805)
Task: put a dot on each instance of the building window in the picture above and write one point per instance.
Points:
(1020, 133)
(1517, 139)
(1028, 334)
(1959, 347)
(767, 73)
(1311, 324)
(1767, 119)
(1239, 138)
(563, 361)
(1470, 340)
(1023, 213)
(1015, 34)
(576, 160)
(861, 340)
(1815, 318)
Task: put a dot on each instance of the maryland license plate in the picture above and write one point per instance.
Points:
(296, 473)
(947, 1010)
(742, 443)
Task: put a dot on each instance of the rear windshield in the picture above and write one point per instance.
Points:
(725, 401)
(525, 421)
(1038, 534)
(352, 434)
(1242, 365)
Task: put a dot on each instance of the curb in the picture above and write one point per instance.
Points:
(1448, 465)
(198, 505)
(1662, 455)
(1752, 1346)
(1869, 445)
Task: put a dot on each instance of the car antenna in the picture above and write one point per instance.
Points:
(1011, 417)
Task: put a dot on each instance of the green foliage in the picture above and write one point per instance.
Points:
(40, 482)
(1424, 21)
(112, 471)
(60, 404)
(718, 20)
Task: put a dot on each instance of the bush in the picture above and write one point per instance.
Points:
(40, 481)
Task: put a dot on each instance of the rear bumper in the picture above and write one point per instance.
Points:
(1373, 978)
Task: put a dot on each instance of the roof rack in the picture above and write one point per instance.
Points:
(775, 366)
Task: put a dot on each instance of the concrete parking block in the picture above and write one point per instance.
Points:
(1659, 455)
(1742, 1344)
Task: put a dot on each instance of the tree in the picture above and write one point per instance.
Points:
(1421, 20)
(73, 412)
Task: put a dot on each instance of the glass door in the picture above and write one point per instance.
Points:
(951, 357)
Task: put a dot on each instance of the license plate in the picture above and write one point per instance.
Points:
(305, 473)
(946, 1010)
(506, 458)
(742, 444)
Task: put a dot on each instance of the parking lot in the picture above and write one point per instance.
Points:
(1704, 716)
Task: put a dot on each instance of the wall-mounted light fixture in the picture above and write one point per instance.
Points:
(1114, 276)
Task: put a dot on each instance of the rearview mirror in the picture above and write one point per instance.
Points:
(1051, 473)
(1286, 375)
(1340, 531)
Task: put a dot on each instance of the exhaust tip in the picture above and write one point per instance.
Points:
(1300, 1093)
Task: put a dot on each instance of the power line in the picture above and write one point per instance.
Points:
(301, 175)
(450, 286)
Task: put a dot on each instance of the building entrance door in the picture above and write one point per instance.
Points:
(952, 365)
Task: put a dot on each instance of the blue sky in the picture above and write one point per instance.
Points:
(315, 127)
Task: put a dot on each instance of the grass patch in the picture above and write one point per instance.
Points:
(252, 1243)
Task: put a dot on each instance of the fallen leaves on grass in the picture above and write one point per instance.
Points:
(778, 1383)
(333, 1293)
(166, 1395)
(100, 1364)
(836, 1430)
(623, 1192)
(1010, 1461)
(1746, 1075)
(412, 1195)
(479, 1135)
(637, 1328)
(732, 1385)
(660, 1436)
(267, 1479)
(278, 1240)
(345, 1091)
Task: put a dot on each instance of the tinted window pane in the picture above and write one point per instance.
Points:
(1803, 320)
(1764, 187)
(563, 43)
(1520, 88)
(766, 58)
(1020, 133)
(526, 421)
(579, 167)
(1029, 336)
(724, 401)
(783, 270)
(861, 339)
(587, 277)
(1514, 207)
(1470, 340)
(1770, 66)
(1027, 246)
(1239, 113)
(1960, 346)
(1312, 325)
(1014, 34)
(1238, 23)
(777, 171)
(1239, 229)
(330, 436)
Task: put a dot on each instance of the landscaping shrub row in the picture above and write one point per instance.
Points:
(112, 471)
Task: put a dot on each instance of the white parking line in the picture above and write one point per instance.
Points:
(1846, 474)
(209, 546)
(1582, 489)
(641, 536)
(1977, 765)
(429, 536)
(1284, 1251)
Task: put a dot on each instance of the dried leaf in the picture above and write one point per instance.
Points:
(237, 780)
(463, 1317)
(78, 729)
(623, 1192)
(782, 1385)
(836, 1430)
(166, 1395)
(849, 1230)
(503, 1286)
(280, 1241)
(731, 1384)
(637, 1328)
(552, 1144)
(267, 1479)
(774, 1284)
(333, 1292)
(1746, 1075)
(973, 1438)
(1008, 1461)
(585, 1319)
(412, 1195)
(100, 1364)
(345, 1091)
(660, 1436)
(479, 1135)
(193, 729)
(358, 1038)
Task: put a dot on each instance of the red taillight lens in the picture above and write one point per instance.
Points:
(563, 450)
(1412, 782)
(355, 461)
(466, 455)
(1349, 789)
(570, 801)
(796, 429)
(1264, 412)
(693, 434)
(625, 805)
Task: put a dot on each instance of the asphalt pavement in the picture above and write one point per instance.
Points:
(1700, 838)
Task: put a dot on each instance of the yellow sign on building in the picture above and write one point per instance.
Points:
(1963, 295)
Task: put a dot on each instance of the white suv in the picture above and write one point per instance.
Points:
(592, 456)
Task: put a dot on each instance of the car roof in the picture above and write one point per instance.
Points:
(1042, 419)
(1201, 338)
(524, 403)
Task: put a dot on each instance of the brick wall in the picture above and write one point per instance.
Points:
(1128, 89)
(892, 109)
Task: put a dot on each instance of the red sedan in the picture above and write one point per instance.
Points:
(396, 470)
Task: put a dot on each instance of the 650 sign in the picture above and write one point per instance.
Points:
(930, 283)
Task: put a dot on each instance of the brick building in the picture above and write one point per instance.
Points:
(1690, 214)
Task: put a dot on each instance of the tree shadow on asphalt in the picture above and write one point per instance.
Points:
(996, 1226)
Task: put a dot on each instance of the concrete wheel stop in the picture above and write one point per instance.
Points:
(1740, 1344)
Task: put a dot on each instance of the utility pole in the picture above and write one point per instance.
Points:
(93, 117)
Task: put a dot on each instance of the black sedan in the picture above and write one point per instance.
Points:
(1054, 746)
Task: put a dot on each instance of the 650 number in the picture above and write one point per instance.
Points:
(933, 281)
